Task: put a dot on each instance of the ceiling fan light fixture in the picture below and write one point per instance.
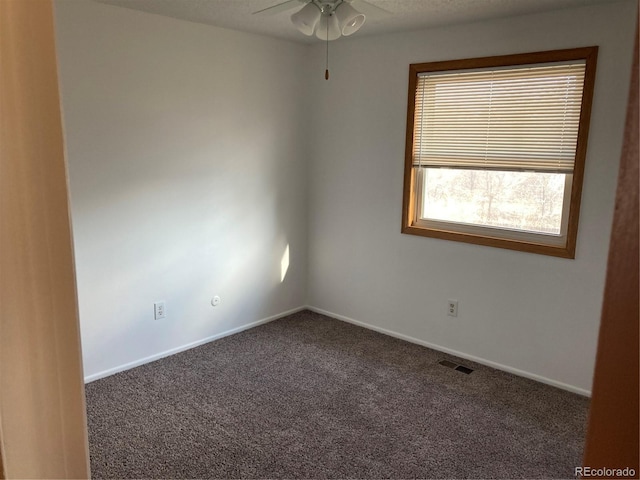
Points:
(333, 29)
(307, 18)
(349, 19)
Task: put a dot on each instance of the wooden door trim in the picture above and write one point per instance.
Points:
(612, 438)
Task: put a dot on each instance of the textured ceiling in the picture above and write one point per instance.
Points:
(406, 14)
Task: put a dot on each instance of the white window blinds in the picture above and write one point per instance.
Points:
(519, 118)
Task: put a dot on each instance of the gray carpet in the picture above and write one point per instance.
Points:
(312, 397)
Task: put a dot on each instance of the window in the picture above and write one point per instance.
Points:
(496, 148)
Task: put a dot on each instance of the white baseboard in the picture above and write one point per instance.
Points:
(482, 361)
(157, 356)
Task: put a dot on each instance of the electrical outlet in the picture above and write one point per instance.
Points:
(159, 310)
(452, 308)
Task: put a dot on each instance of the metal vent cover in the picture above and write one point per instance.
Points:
(455, 366)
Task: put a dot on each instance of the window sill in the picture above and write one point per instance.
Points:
(564, 251)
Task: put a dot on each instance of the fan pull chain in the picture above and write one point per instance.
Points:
(326, 71)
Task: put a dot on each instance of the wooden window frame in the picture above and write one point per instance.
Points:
(492, 238)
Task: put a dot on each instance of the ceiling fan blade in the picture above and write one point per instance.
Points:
(280, 7)
(370, 10)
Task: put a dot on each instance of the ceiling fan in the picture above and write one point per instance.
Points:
(328, 19)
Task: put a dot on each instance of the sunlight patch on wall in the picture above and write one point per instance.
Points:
(284, 264)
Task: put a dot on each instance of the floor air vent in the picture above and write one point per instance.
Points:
(455, 366)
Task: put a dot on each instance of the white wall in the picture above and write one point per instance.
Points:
(187, 161)
(192, 151)
(526, 312)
